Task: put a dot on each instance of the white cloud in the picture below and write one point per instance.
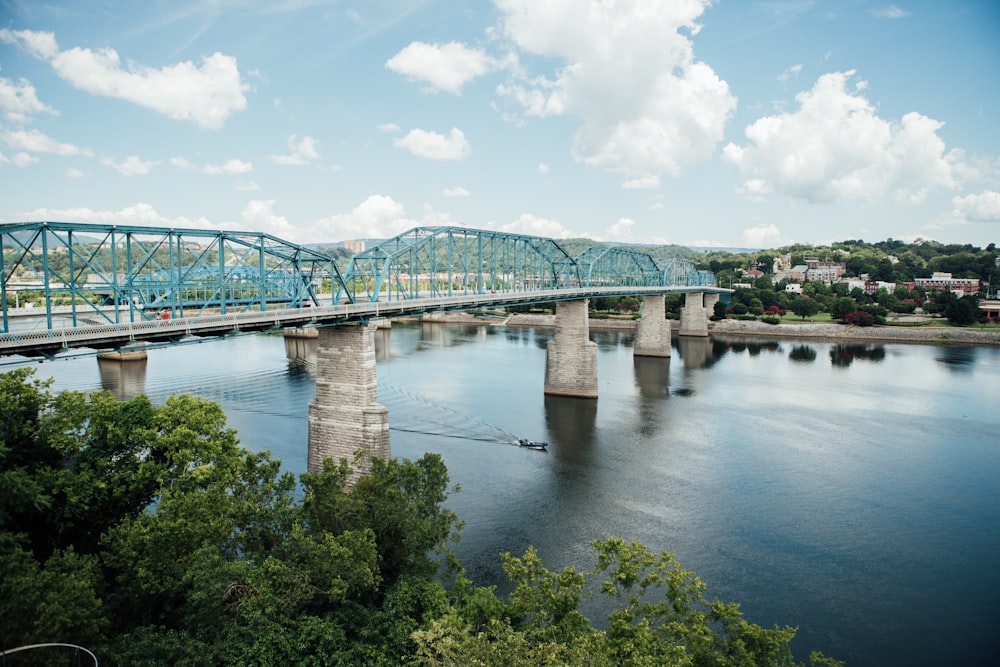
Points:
(73, 172)
(628, 72)
(532, 225)
(792, 71)
(131, 166)
(18, 101)
(446, 67)
(20, 159)
(457, 191)
(247, 186)
(543, 168)
(890, 12)
(378, 216)
(259, 216)
(206, 95)
(389, 128)
(648, 182)
(435, 146)
(763, 236)
(984, 207)
(141, 213)
(233, 166)
(621, 231)
(302, 153)
(835, 148)
(33, 141)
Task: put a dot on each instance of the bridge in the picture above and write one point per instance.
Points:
(113, 288)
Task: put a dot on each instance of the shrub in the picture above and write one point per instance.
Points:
(771, 319)
(860, 318)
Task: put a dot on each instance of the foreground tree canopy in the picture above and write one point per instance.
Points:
(146, 534)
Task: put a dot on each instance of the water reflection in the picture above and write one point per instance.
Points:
(696, 352)
(652, 377)
(843, 356)
(802, 353)
(957, 359)
(570, 424)
(124, 379)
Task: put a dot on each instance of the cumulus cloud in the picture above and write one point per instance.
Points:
(233, 166)
(542, 168)
(18, 101)
(259, 216)
(533, 225)
(388, 128)
(141, 214)
(445, 67)
(628, 72)
(73, 172)
(621, 231)
(457, 191)
(984, 207)
(835, 148)
(378, 216)
(648, 182)
(19, 159)
(131, 166)
(301, 152)
(435, 146)
(206, 95)
(33, 141)
(763, 236)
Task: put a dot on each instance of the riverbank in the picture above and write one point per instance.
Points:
(912, 334)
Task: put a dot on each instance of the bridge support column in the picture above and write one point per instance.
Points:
(571, 357)
(694, 318)
(710, 301)
(345, 415)
(652, 331)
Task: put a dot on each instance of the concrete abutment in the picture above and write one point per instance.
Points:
(652, 330)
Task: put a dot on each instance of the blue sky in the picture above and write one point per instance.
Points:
(727, 123)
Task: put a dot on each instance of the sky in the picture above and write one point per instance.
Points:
(730, 124)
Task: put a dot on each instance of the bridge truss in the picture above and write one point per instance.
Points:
(444, 261)
(84, 274)
(110, 286)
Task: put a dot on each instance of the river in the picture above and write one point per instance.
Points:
(847, 489)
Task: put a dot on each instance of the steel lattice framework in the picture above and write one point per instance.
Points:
(94, 273)
(444, 261)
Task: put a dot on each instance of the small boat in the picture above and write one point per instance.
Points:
(532, 444)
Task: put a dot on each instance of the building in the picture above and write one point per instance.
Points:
(941, 281)
(826, 272)
(355, 246)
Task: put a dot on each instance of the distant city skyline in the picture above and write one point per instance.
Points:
(692, 122)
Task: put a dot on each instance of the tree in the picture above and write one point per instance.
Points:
(841, 306)
(804, 307)
(963, 311)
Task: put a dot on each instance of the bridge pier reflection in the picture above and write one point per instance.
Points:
(571, 357)
(345, 415)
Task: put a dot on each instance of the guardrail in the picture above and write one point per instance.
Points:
(123, 334)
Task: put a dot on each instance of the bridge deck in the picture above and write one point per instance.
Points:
(115, 336)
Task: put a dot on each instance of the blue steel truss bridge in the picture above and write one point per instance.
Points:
(107, 287)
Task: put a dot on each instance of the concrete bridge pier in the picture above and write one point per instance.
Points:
(345, 415)
(652, 331)
(694, 317)
(571, 357)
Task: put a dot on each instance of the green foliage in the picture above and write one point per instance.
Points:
(963, 311)
(161, 541)
(804, 307)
